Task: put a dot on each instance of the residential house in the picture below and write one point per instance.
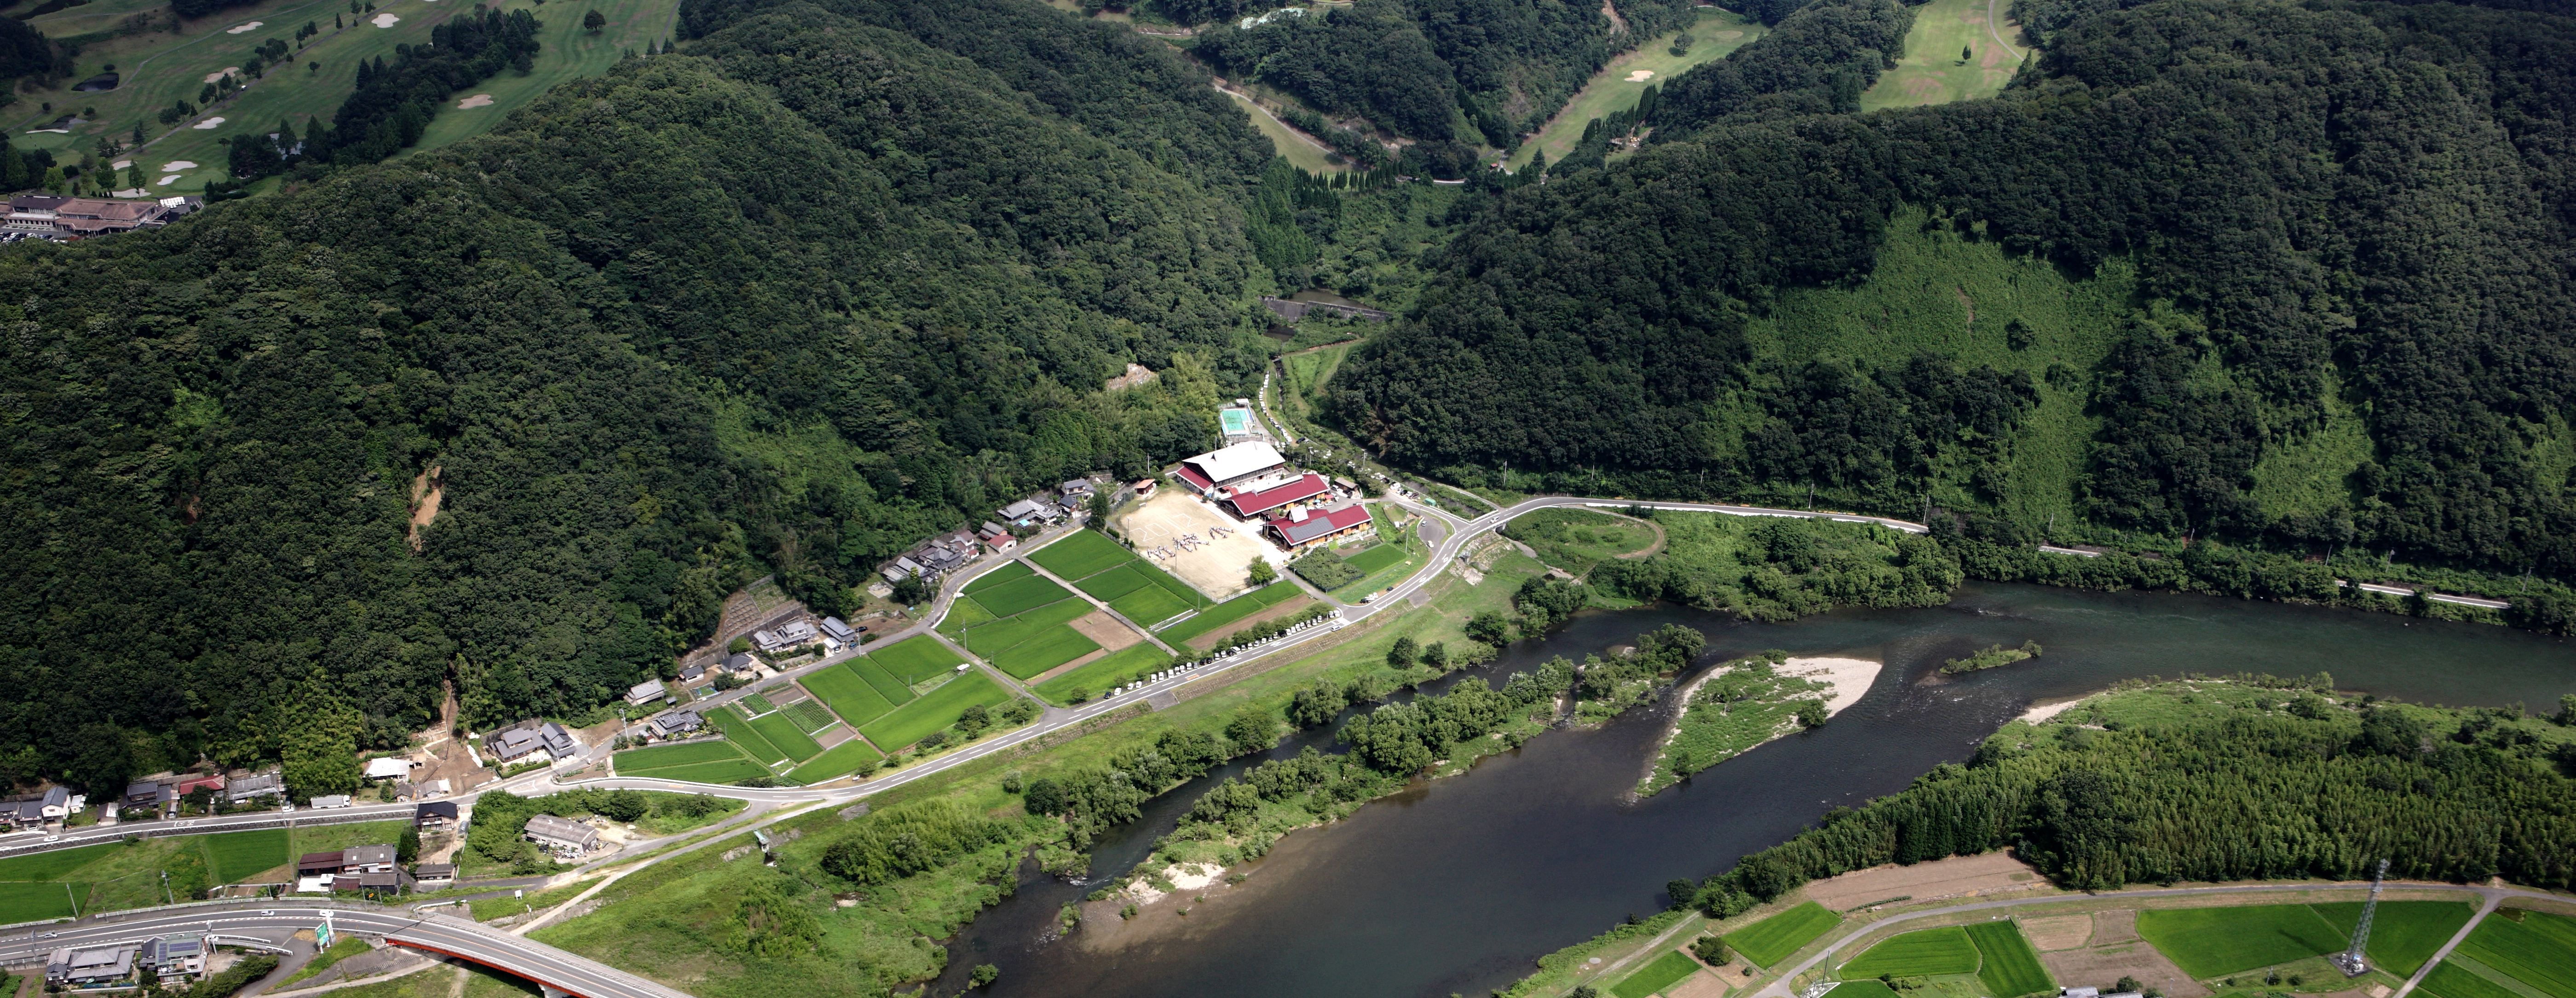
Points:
(1078, 487)
(434, 816)
(563, 835)
(434, 876)
(838, 630)
(148, 793)
(173, 957)
(1022, 512)
(23, 812)
(330, 801)
(646, 692)
(319, 864)
(693, 672)
(1303, 527)
(58, 804)
(741, 663)
(243, 788)
(189, 783)
(390, 767)
(367, 859)
(517, 744)
(677, 724)
(384, 883)
(903, 568)
(559, 743)
(90, 967)
(997, 536)
(785, 636)
(1221, 469)
(942, 556)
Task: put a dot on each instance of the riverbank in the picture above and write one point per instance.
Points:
(1744, 704)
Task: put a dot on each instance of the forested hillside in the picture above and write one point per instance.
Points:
(2291, 274)
(789, 301)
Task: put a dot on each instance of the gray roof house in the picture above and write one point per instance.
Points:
(518, 743)
(562, 834)
(693, 672)
(740, 663)
(677, 723)
(367, 859)
(646, 692)
(785, 636)
(560, 743)
(255, 785)
(1076, 487)
(1022, 509)
(90, 966)
(839, 630)
(436, 874)
(171, 956)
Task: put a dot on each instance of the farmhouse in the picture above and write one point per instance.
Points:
(367, 859)
(1302, 527)
(786, 636)
(1226, 467)
(839, 630)
(434, 816)
(1266, 495)
(318, 864)
(174, 956)
(996, 536)
(678, 723)
(562, 835)
(435, 875)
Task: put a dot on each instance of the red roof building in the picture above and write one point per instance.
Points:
(1303, 527)
(1251, 504)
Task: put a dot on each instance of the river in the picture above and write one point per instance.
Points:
(1455, 886)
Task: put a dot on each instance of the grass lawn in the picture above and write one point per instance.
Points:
(1114, 583)
(916, 659)
(848, 694)
(2539, 951)
(732, 770)
(842, 760)
(1045, 651)
(810, 715)
(1772, 939)
(1672, 966)
(660, 756)
(1081, 554)
(234, 857)
(2405, 933)
(1002, 635)
(1305, 155)
(1021, 595)
(1150, 605)
(1009, 571)
(1397, 563)
(1918, 954)
(783, 732)
(894, 691)
(935, 710)
(1096, 677)
(1610, 89)
(1231, 610)
(1931, 72)
(29, 902)
(54, 864)
(2010, 967)
(2451, 980)
(2213, 942)
(741, 733)
(1377, 557)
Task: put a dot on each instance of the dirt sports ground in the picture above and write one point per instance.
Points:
(1216, 567)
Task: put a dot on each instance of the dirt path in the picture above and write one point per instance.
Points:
(1651, 550)
(1618, 25)
(1265, 112)
(1991, 21)
(426, 491)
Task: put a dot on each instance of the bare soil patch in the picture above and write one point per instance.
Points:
(835, 735)
(1214, 563)
(478, 100)
(1701, 985)
(2111, 928)
(2104, 964)
(1208, 640)
(1957, 876)
(1099, 626)
(426, 492)
(2058, 931)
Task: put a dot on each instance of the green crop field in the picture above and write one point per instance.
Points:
(1150, 605)
(2010, 967)
(841, 760)
(810, 715)
(234, 857)
(1772, 939)
(1001, 635)
(755, 705)
(2405, 933)
(2214, 942)
(740, 731)
(1667, 969)
(848, 693)
(1081, 554)
(1918, 954)
(1231, 610)
(782, 731)
(52, 865)
(2451, 980)
(893, 691)
(916, 659)
(30, 902)
(1114, 583)
(732, 770)
(1096, 677)
(1045, 651)
(660, 756)
(2539, 951)
(936, 709)
(963, 613)
(1010, 570)
(1861, 989)
(1931, 70)
(1021, 595)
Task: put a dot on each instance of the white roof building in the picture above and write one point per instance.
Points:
(387, 768)
(1226, 465)
(650, 689)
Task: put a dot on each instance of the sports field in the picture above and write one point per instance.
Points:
(1020, 596)
(914, 660)
(2539, 950)
(1009, 571)
(234, 857)
(1772, 939)
(1931, 70)
(1231, 610)
(2214, 942)
(999, 636)
(1096, 677)
(935, 710)
(1055, 647)
(848, 694)
(1668, 968)
(2452, 980)
(1918, 954)
(842, 760)
(2008, 965)
(2405, 933)
(1080, 554)
(741, 733)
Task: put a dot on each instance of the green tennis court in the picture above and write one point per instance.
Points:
(782, 732)
(1095, 678)
(1081, 554)
(935, 710)
(996, 637)
(848, 694)
(1230, 611)
(842, 760)
(740, 731)
(1010, 570)
(1045, 651)
(915, 660)
(1021, 595)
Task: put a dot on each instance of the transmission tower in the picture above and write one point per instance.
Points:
(2351, 961)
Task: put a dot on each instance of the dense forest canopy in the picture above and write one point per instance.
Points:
(2327, 208)
(788, 303)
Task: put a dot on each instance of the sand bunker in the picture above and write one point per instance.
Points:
(1850, 677)
(221, 73)
(177, 165)
(209, 123)
(1641, 76)
(385, 20)
(120, 164)
(1727, 36)
(478, 100)
(239, 28)
(167, 181)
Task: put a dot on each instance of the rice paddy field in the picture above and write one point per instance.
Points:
(915, 659)
(1080, 554)
(841, 760)
(936, 709)
(115, 876)
(1020, 596)
(2455, 980)
(2405, 933)
(2008, 966)
(1926, 953)
(739, 731)
(698, 762)
(2214, 942)
(848, 694)
(158, 67)
(1049, 649)
(2537, 950)
(1667, 970)
(1096, 677)
(1773, 939)
(995, 637)
(810, 715)
(782, 732)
